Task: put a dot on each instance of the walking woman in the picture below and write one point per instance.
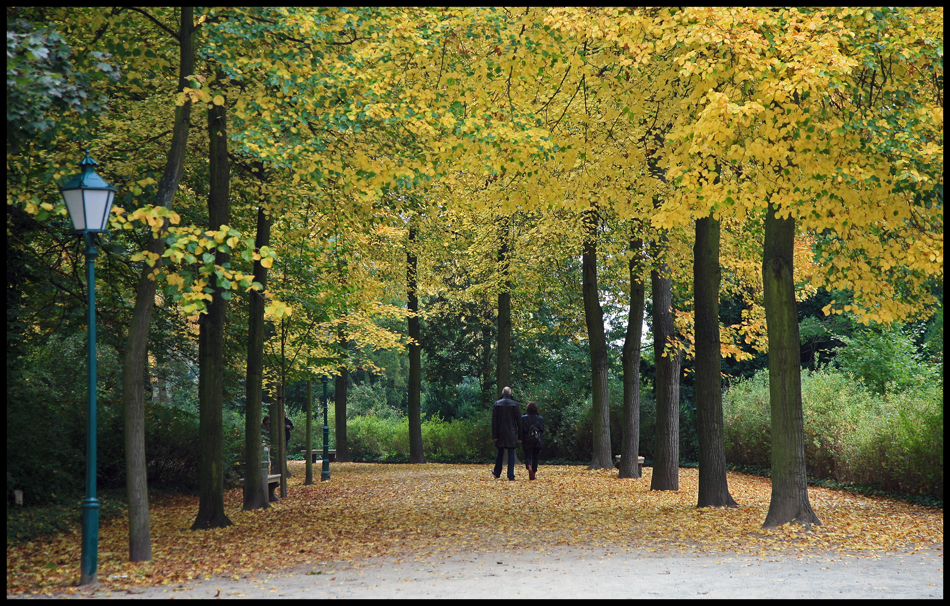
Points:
(529, 431)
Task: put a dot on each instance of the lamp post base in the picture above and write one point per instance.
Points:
(90, 541)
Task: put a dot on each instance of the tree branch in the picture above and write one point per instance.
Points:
(173, 34)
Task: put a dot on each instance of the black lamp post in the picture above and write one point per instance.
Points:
(89, 202)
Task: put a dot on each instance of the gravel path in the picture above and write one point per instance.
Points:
(573, 573)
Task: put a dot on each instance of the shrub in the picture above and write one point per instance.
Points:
(369, 400)
(747, 421)
(457, 441)
(378, 439)
(901, 447)
(894, 442)
(880, 355)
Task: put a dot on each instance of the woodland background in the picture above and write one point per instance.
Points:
(400, 182)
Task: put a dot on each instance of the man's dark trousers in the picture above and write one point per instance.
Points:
(511, 462)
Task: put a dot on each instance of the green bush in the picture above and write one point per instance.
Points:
(378, 439)
(879, 355)
(747, 421)
(893, 442)
(900, 448)
(457, 441)
(387, 440)
(369, 400)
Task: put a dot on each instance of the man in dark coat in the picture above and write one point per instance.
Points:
(505, 419)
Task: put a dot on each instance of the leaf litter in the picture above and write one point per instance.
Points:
(422, 512)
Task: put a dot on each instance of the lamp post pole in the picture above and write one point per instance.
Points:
(325, 474)
(89, 202)
(90, 505)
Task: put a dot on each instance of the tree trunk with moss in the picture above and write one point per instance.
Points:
(211, 340)
(601, 458)
(255, 488)
(630, 362)
(713, 484)
(340, 400)
(669, 361)
(789, 501)
(416, 454)
(135, 359)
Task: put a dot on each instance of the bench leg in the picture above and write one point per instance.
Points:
(272, 492)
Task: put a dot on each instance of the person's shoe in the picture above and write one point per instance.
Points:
(531, 474)
(495, 475)
(512, 479)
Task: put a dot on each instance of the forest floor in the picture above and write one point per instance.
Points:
(435, 530)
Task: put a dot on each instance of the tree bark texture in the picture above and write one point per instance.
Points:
(308, 479)
(601, 458)
(135, 360)
(789, 501)
(276, 433)
(503, 363)
(630, 362)
(669, 361)
(416, 454)
(340, 395)
(255, 489)
(282, 440)
(487, 340)
(211, 340)
(713, 484)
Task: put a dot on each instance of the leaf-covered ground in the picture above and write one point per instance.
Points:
(427, 511)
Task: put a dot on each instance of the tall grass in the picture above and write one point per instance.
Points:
(892, 441)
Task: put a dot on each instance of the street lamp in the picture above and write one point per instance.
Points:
(325, 474)
(89, 202)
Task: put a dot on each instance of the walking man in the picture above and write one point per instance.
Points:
(505, 419)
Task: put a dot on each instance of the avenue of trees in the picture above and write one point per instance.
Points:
(465, 196)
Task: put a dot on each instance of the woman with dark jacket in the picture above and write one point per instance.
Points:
(529, 432)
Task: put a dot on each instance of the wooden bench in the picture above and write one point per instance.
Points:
(314, 456)
(316, 453)
(639, 463)
(273, 481)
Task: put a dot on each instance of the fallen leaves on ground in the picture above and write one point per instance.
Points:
(435, 510)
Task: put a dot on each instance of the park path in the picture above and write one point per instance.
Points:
(439, 530)
(575, 573)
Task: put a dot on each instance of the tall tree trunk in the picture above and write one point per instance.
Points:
(630, 361)
(135, 359)
(309, 443)
(487, 340)
(669, 360)
(503, 363)
(282, 448)
(789, 502)
(211, 339)
(713, 485)
(276, 433)
(416, 454)
(341, 383)
(282, 408)
(601, 458)
(255, 489)
(503, 368)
